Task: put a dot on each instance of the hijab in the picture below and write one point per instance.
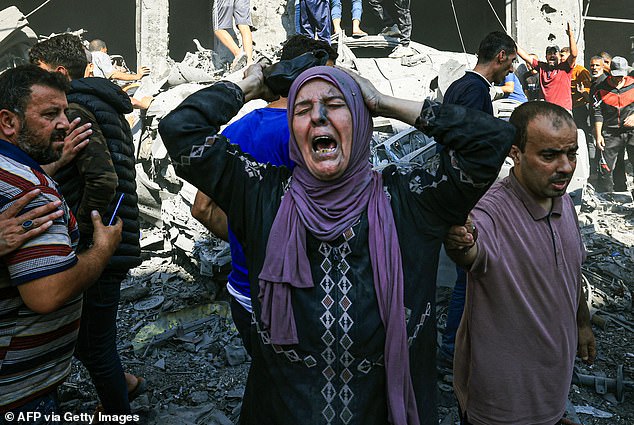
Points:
(327, 209)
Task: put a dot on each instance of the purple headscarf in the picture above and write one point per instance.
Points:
(327, 209)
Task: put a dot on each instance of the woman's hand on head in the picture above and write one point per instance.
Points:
(371, 96)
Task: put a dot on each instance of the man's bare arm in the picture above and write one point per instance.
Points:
(574, 51)
(209, 214)
(49, 293)
(586, 349)
(524, 55)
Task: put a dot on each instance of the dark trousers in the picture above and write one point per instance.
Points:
(454, 313)
(615, 144)
(97, 343)
(242, 320)
(315, 19)
(404, 17)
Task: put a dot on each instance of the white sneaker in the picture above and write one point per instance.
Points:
(401, 51)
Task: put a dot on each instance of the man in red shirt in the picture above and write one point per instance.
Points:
(554, 76)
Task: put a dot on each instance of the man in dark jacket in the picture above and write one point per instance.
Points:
(613, 110)
(102, 174)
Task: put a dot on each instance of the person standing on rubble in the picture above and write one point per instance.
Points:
(342, 259)
(315, 20)
(264, 134)
(96, 180)
(613, 113)
(555, 76)
(401, 28)
(525, 316)
(496, 54)
(42, 281)
(223, 15)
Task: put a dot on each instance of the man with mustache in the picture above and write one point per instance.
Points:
(554, 75)
(42, 281)
(525, 316)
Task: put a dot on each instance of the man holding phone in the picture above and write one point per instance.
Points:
(97, 179)
(41, 281)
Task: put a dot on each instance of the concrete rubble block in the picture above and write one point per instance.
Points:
(235, 354)
(171, 324)
(16, 38)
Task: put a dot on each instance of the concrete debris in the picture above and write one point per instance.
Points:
(236, 354)
(16, 38)
(149, 303)
(597, 413)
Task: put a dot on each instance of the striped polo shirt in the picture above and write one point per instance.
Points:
(35, 349)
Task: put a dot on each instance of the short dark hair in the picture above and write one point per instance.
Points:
(528, 111)
(16, 84)
(298, 44)
(553, 48)
(61, 50)
(96, 45)
(565, 49)
(493, 44)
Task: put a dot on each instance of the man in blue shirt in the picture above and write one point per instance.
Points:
(263, 134)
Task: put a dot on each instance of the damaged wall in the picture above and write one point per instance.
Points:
(537, 24)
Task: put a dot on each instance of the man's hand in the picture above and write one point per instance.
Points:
(599, 142)
(568, 29)
(461, 237)
(142, 103)
(142, 72)
(106, 238)
(460, 243)
(76, 139)
(253, 85)
(629, 121)
(13, 234)
(586, 348)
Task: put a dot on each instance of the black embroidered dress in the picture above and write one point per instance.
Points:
(335, 375)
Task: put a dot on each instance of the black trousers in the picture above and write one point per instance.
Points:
(404, 17)
(615, 144)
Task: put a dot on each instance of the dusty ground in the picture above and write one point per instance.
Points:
(191, 381)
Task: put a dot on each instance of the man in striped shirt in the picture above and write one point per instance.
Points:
(41, 282)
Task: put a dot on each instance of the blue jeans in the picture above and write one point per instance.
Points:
(335, 9)
(42, 410)
(454, 314)
(315, 19)
(97, 343)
